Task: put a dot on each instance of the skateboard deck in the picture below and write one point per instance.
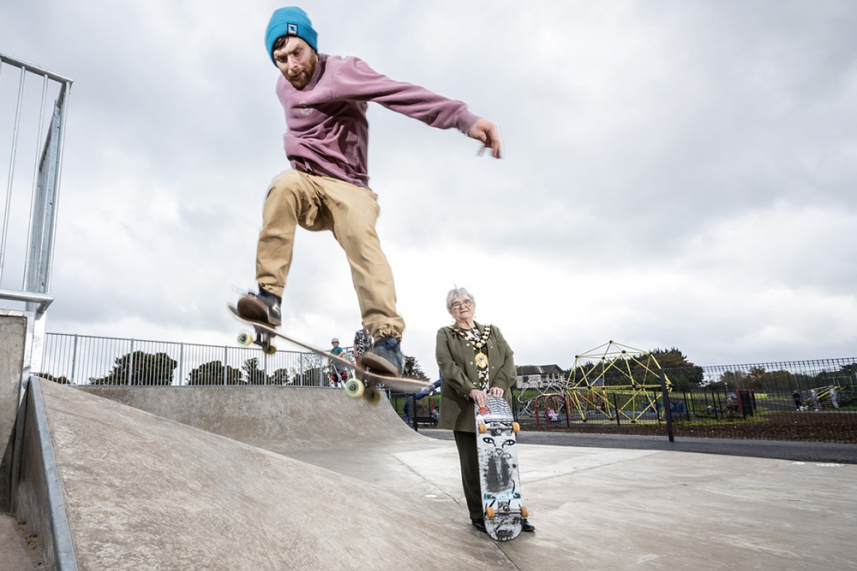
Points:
(496, 445)
(364, 382)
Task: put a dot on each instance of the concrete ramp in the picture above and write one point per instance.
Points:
(281, 419)
(130, 490)
(143, 492)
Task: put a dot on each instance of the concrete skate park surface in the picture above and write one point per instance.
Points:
(260, 478)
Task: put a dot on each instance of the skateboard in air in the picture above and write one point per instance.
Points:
(363, 382)
(496, 446)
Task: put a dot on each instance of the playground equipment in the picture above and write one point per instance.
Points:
(552, 401)
(615, 381)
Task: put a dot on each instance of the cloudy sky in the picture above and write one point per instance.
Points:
(677, 173)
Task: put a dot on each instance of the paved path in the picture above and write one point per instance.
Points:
(802, 451)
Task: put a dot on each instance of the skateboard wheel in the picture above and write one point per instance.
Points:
(482, 430)
(270, 350)
(489, 512)
(516, 428)
(525, 512)
(354, 388)
(372, 396)
(245, 338)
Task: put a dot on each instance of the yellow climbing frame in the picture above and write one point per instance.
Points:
(615, 380)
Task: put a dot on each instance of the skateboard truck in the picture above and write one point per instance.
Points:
(262, 339)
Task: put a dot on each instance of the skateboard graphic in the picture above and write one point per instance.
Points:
(496, 446)
(362, 382)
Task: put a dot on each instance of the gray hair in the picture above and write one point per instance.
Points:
(457, 292)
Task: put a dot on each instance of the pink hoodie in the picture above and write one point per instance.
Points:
(326, 120)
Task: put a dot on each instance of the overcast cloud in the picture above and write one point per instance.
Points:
(677, 173)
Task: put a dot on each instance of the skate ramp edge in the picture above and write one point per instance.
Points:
(31, 478)
(280, 419)
(144, 492)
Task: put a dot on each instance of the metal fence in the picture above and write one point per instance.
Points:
(88, 360)
(801, 400)
(797, 400)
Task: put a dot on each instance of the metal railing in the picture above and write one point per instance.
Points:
(88, 360)
(30, 202)
(29, 109)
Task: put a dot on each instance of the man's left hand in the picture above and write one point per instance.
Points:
(496, 392)
(489, 133)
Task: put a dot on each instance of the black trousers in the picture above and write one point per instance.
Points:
(469, 461)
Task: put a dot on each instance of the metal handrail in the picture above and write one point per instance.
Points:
(35, 69)
(43, 299)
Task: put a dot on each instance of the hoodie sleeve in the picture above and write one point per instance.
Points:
(355, 80)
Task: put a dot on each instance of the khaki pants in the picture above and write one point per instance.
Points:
(323, 203)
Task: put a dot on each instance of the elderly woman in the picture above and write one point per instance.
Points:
(474, 361)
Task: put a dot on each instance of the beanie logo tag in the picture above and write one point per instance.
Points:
(292, 29)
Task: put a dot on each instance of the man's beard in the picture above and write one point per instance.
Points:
(303, 77)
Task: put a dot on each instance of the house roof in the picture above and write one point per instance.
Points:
(527, 370)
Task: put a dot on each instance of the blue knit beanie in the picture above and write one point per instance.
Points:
(291, 21)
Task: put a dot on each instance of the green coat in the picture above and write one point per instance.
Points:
(455, 358)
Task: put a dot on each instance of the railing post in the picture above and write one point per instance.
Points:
(667, 412)
(73, 359)
(181, 363)
(131, 362)
(225, 365)
(12, 161)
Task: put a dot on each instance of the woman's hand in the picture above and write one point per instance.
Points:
(480, 397)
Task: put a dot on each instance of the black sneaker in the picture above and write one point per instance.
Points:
(385, 357)
(264, 307)
(527, 526)
(479, 524)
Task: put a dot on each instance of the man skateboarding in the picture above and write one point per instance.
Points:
(325, 99)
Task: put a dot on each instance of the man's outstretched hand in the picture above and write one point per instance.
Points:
(489, 133)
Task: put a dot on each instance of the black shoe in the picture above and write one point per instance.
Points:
(479, 524)
(385, 357)
(527, 526)
(264, 307)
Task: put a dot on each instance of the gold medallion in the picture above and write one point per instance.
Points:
(481, 360)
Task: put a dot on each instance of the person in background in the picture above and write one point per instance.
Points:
(337, 376)
(362, 342)
(475, 361)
